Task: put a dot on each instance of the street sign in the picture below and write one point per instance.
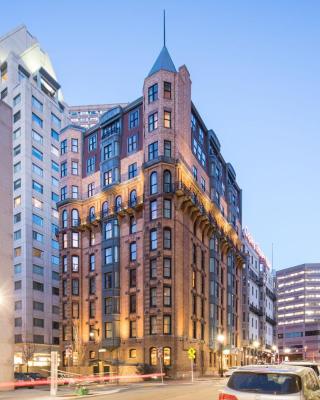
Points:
(191, 353)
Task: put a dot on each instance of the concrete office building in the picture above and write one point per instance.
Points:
(29, 85)
(258, 304)
(298, 310)
(87, 116)
(6, 272)
(150, 234)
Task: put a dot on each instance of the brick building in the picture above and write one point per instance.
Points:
(150, 236)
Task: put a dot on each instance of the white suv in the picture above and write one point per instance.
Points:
(269, 382)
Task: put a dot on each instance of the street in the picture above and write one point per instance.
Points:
(206, 389)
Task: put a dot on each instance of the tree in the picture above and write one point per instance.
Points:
(28, 350)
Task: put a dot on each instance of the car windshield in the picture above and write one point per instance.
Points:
(266, 383)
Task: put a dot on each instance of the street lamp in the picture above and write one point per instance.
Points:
(92, 333)
(220, 339)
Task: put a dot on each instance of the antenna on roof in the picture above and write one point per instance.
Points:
(164, 28)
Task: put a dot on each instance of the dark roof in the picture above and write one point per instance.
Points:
(164, 62)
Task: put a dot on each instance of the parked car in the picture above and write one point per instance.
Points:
(309, 364)
(267, 382)
(21, 380)
(36, 376)
(230, 371)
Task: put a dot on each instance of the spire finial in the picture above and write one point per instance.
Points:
(164, 28)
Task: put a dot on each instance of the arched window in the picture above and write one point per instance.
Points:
(118, 203)
(64, 219)
(75, 220)
(133, 198)
(105, 209)
(153, 356)
(167, 238)
(167, 187)
(153, 182)
(167, 356)
(92, 214)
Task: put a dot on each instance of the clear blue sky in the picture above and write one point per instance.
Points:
(255, 69)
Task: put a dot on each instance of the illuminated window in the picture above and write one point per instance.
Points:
(167, 119)
(153, 356)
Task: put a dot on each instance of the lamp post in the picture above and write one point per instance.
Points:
(220, 339)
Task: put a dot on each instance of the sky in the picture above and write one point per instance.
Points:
(255, 70)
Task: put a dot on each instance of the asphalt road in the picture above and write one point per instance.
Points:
(202, 390)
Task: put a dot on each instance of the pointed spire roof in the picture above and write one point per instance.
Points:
(164, 62)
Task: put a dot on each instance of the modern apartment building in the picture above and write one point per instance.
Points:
(87, 116)
(6, 272)
(150, 236)
(29, 85)
(258, 304)
(298, 310)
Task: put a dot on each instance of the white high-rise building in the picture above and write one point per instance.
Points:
(29, 85)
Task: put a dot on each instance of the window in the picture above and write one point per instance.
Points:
(167, 238)
(153, 325)
(167, 296)
(105, 209)
(37, 153)
(153, 268)
(54, 166)
(54, 151)
(167, 267)
(55, 135)
(55, 120)
(92, 142)
(132, 143)
(108, 280)
(4, 94)
(199, 152)
(74, 145)
(54, 197)
(37, 120)
(17, 116)
(38, 339)
(37, 220)
(63, 147)
(92, 214)
(133, 198)
(17, 268)
(17, 201)
(16, 134)
(37, 170)
(153, 151)
(108, 330)
(37, 203)
(167, 119)
(75, 263)
(75, 192)
(195, 172)
(108, 255)
(108, 177)
(75, 219)
(17, 285)
(75, 239)
(153, 356)
(153, 297)
(153, 209)
(91, 189)
(74, 168)
(17, 184)
(75, 310)
(167, 181)
(133, 251)
(18, 322)
(16, 99)
(108, 230)
(38, 286)
(38, 322)
(167, 90)
(36, 104)
(203, 184)
(18, 305)
(37, 187)
(92, 262)
(107, 151)
(167, 356)
(38, 270)
(64, 264)
(92, 285)
(132, 353)
(133, 225)
(133, 329)
(91, 165)
(200, 135)
(153, 93)
(133, 119)
(132, 170)
(153, 239)
(167, 148)
(75, 287)
(17, 150)
(133, 277)
(133, 303)
(118, 203)
(167, 209)
(154, 183)
(37, 236)
(17, 218)
(54, 181)
(167, 324)
(153, 121)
